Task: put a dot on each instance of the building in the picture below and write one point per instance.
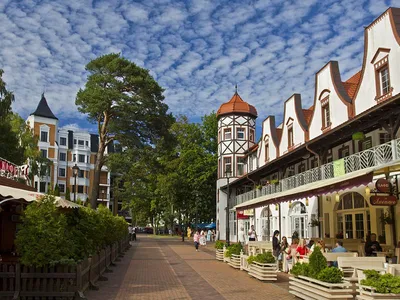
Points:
(316, 173)
(67, 147)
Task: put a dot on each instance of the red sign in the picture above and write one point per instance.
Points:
(12, 171)
(383, 200)
(383, 185)
(240, 215)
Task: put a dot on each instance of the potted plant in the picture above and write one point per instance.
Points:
(219, 250)
(233, 253)
(316, 280)
(378, 286)
(259, 187)
(263, 266)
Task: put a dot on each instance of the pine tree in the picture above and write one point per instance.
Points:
(67, 194)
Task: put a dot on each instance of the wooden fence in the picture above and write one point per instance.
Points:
(19, 282)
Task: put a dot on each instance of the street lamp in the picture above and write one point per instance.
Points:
(75, 170)
(228, 174)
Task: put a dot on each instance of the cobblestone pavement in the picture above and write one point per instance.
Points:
(166, 268)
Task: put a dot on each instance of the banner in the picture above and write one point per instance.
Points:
(338, 167)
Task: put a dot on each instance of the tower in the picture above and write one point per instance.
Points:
(236, 134)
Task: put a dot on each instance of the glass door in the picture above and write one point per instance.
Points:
(348, 225)
(359, 218)
(299, 224)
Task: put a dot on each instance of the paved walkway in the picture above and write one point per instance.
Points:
(166, 268)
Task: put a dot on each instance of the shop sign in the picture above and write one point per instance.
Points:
(12, 171)
(240, 215)
(248, 212)
(383, 185)
(383, 200)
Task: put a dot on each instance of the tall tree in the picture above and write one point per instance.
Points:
(127, 105)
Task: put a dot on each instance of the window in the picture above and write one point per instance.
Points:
(87, 143)
(81, 158)
(344, 151)
(61, 172)
(80, 189)
(365, 144)
(63, 141)
(313, 163)
(81, 174)
(44, 153)
(301, 168)
(385, 81)
(43, 136)
(227, 134)
(74, 157)
(326, 116)
(384, 138)
(240, 165)
(74, 141)
(266, 151)
(240, 133)
(227, 166)
(63, 156)
(290, 137)
(61, 187)
(43, 187)
(81, 143)
(251, 163)
(251, 135)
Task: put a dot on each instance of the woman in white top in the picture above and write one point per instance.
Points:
(252, 234)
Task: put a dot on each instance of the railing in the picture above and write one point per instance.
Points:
(373, 157)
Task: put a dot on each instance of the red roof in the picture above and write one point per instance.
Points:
(308, 114)
(15, 184)
(236, 105)
(279, 133)
(351, 84)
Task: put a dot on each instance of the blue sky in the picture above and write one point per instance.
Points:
(197, 50)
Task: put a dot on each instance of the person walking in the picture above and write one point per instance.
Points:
(276, 247)
(183, 235)
(130, 230)
(209, 233)
(134, 233)
(202, 238)
(196, 240)
(252, 234)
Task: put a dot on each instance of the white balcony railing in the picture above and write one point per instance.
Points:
(375, 156)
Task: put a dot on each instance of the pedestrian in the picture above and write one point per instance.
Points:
(189, 233)
(202, 238)
(130, 230)
(134, 233)
(209, 233)
(196, 239)
(252, 234)
(276, 247)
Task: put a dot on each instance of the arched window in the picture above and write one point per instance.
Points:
(299, 219)
(266, 223)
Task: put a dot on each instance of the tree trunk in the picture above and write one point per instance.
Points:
(96, 180)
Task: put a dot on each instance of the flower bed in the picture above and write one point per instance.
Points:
(263, 266)
(378, 286)
(219, 250)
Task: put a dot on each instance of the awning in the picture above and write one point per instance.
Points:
(9, 194)
(327, 186)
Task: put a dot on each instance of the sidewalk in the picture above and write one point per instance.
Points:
(166, 268)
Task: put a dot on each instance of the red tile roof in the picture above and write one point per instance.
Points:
(279, 133)
(351, 84)
(308, 114)
(236, 105)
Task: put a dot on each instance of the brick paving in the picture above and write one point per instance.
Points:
(166, 268)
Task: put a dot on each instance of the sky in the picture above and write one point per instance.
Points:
(197, 50)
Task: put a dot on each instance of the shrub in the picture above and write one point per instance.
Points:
(233, 249)
(331, 275)
(317, 262)
(219, 245)
(300, 269)
(263, 258)
(384, 284)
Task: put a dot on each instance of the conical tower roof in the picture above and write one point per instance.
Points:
(43, 110)
(236, 105)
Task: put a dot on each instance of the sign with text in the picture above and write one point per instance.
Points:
(383, 185)
(12, 171)
(383, 200)
(240, 215)
(248, 212)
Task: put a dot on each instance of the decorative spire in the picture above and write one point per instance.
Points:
(43, 109)
(236, 88)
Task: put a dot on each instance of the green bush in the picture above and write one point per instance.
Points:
(300, 269)
(331, 275)
(219, 245)
(317, 262)
(386, 283)
(47, 236)
(233, 249)
(263, 258)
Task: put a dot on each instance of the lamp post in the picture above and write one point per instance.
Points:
(227, 175)
(75, 170)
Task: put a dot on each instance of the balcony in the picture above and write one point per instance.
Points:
(374, 157)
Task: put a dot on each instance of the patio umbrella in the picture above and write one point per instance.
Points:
(211, 226)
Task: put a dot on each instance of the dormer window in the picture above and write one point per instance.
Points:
(326, 116)
(227, 134)
(385, 81)
(290, 137)
(240, 133)
(382, 78)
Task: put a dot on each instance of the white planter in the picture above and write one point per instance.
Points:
(235, 261)
(219, 254)
(368, 293)
(308, 288)
(264, 272)
(244, 265)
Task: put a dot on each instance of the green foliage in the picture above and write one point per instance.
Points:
(50, 237)
(67, 194)
(386, 283)
(233, 249)
(331, 275)
(219, 245)
(300, 269)
(317, 262)
(44, 237)
(56, 191)
(263, 258)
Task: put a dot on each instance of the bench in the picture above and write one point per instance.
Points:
(349, 264)
(255, 247)
(333, 256)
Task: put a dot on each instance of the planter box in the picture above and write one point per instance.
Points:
(308, 288)
(219, 254)
(235, 261)
(264, 272)
(368, 293)
(244, 265)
